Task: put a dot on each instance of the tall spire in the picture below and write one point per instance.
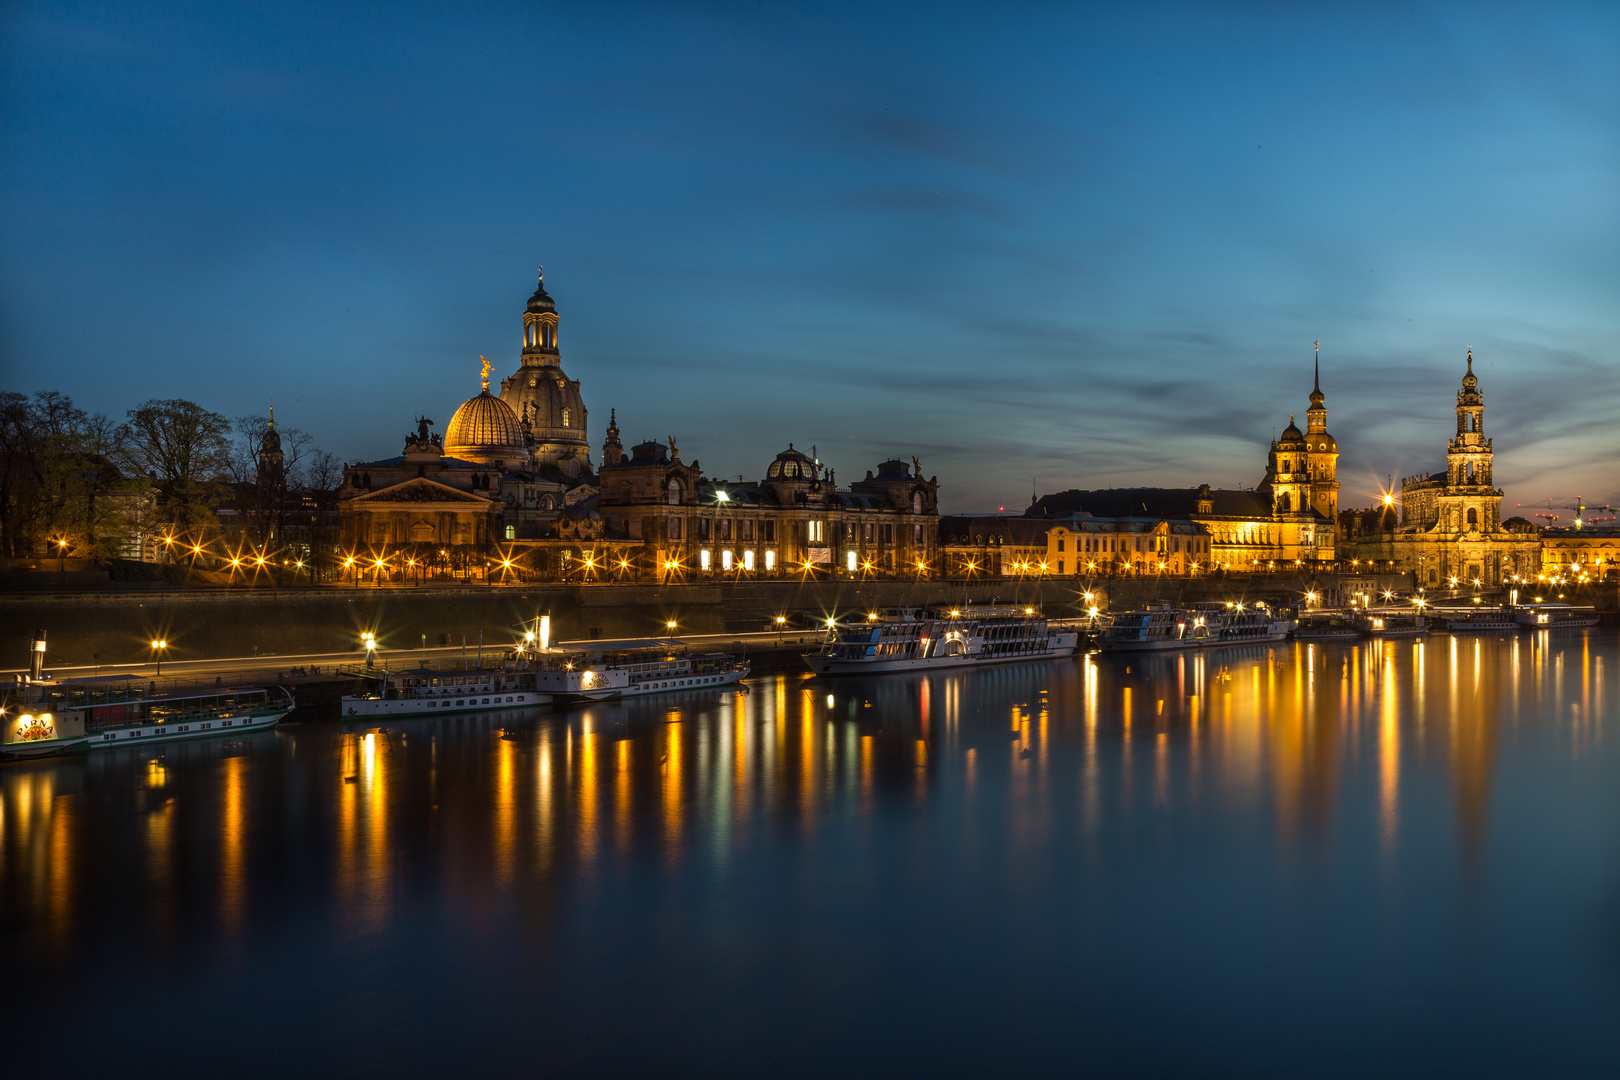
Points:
(1318, 386)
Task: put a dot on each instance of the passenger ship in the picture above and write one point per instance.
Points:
(415, 691)
(1550, 616)
(1326, 626)
(1476, 619)
(912, 639)
(74, 716)
(566, 673)
(1384, 623)
(1161, 626)
(615, 669)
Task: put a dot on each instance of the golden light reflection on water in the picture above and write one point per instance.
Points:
(1299, 740)
(232, 825)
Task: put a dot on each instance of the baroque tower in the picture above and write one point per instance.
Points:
(1322, 463)
(1469, 503)
(612, 448)
(547, 402)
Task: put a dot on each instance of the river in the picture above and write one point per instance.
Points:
(1400, 859)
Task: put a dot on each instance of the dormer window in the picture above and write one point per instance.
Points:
(567, 416)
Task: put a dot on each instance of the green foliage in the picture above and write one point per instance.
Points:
(186, 452)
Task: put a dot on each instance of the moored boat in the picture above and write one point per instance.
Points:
(1157, 627)
(418, 691)
(56, 716)
(1392, 622)
(1474, 619)
(909, 639)
(1551, 616)
(615, 669)
(1326, 626)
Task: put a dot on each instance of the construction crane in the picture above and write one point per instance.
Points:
(1582, 518)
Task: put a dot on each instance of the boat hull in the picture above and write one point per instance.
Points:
(828, 665)
(174, 732)
(362, 707)
(45, 748)
(707, 681)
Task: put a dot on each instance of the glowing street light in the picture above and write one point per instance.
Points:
(158, 645)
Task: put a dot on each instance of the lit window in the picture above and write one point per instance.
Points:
(849, 560)
(748, 560)
(770, 559)
(726, 559)
(703, 559)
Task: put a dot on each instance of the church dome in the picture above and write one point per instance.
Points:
(1291, 434)
(549, 402)
(485, 430)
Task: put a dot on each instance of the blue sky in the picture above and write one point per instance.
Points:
(1048, 245)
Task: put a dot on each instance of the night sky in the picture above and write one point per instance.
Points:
(1042, 244)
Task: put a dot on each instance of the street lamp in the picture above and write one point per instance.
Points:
(781, 623)
(158, 645)
(369, 640)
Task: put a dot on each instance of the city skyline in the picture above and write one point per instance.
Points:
(1097, 256)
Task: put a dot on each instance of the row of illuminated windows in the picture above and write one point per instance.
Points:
(731, 560)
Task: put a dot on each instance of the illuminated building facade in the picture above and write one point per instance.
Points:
(1078, 545)
(1286, 523)
(794, 521)
(1580, 554)
(1451, 533)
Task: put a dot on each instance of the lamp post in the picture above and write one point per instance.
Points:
(369, 640)
(158, 645)
(781, 622)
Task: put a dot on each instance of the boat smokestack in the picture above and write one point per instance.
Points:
(36, 656)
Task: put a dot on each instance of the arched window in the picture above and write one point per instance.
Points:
(1473, 516)
(567, 416)
(916, 502)
(674, 493)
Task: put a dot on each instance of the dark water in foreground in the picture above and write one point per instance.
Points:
(1290, 861)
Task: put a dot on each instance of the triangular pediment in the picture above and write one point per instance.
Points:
(419, 489)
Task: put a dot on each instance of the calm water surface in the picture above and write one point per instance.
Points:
(1259, 861)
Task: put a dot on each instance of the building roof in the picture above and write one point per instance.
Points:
(1180, 503)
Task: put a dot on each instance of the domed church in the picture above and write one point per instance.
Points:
(505, 468)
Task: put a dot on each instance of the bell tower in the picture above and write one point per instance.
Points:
(1470, 503)
(1322, 455)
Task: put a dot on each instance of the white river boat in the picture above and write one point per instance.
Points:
(1475, 619)
(1551, 616)
(923, 639)
(48, 717)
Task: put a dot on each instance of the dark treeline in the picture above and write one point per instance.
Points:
(80, 484)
